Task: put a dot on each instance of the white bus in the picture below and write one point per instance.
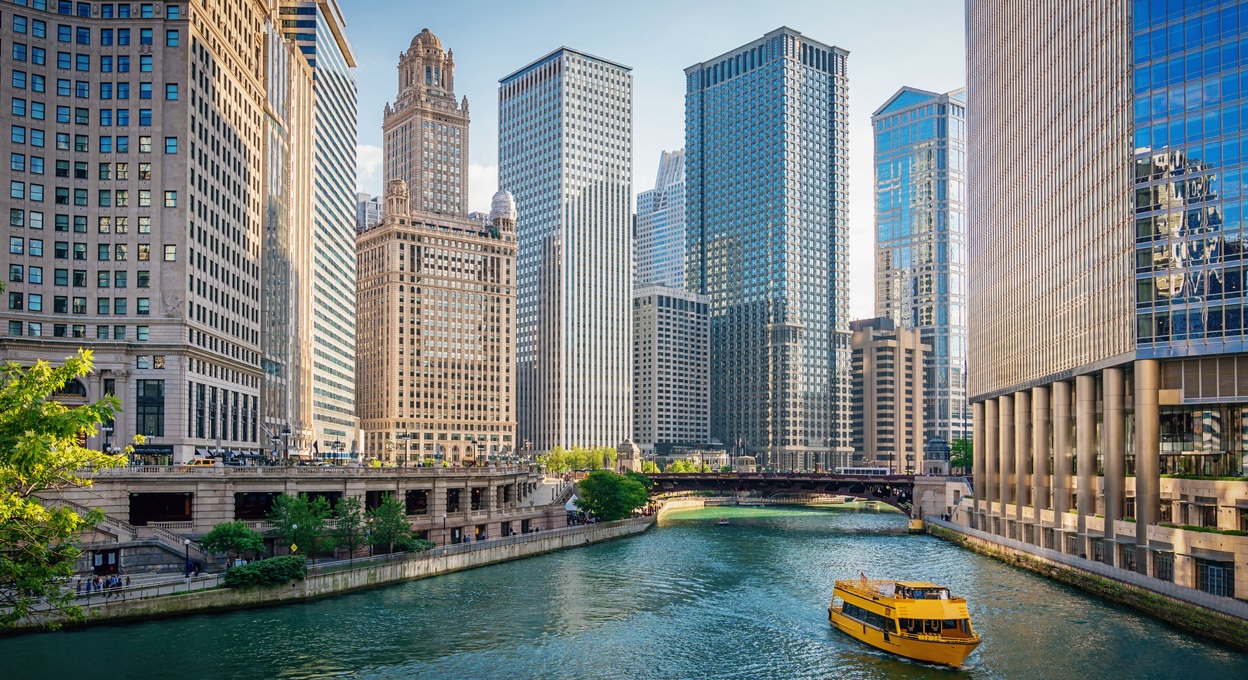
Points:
(863, 471)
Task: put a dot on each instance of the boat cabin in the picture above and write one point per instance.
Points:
(921, 591)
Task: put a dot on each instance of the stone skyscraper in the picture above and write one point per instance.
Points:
(425, 130)
(660, 240)
(565, 151)
(766, 176)
(920, 242)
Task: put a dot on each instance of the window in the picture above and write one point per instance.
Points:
(101, 332)
(17, 134)
(16, 301)
(17, 273)
(143, 278)
(123, 144)
(36, 193)
(60, 250)
(105, 251)
(106, 64)
(123, 11)
(119, 251)
(60, 277)
(36, 165)
(39, 29)
(123, 90)
(102, 279)
(171, 144)
(60, 304)
(106, 117)
(15, 328)
(106, 90)
(62, 88)
(80, 197)
(37, 110)
(17, 217)
(145, 117)
(16, 245)
(62, 198)
(145, 252)
(83, 35)
(123, 116)
(106, 170)
(80, 224)
(82, 116)
(145, 144)
(140, 333)
(145, 90)
(119, 306)
(84, 9)
(62, 141)
(82, 62)
(80, 305)
(18, 107)
(82, 143)
(122, 224)
(145, 198)
(17, 189)
(171, 253)
(80, 253)
(36, 274)
(145, 36)
(38, 83)
(106, 35)
(104, 224)
(63, 60)
(82, 89)
(62, 114)
(17, 162)
(145, 170)
(149, 404)
(171, 38)
(80, 170)
(102, 306)
(143, 306)
(145, 63)
(80, 278)
(36, 329)
(123, 64)
(171, 199)
(64, 33)
(145, 10)
(36, 247)
(119, 279)
(34, 302)
(171, 91)
(19, 24)
(123, 35)
(123, 171)
(172, 12)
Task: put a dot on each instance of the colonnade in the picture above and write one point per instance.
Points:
(1014, 435)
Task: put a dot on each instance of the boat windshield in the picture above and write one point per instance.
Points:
(911, 593)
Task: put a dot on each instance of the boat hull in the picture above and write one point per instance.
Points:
(944, 652)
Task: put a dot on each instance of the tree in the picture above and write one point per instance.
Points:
(349, 533)
(649, 467)
(232, 537)
(300, 521)
(645, 481)
(387, 524)
(963, 455)
(609, 496)
(40, 453)
(686, 466)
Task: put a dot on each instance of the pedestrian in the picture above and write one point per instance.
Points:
(78, 589)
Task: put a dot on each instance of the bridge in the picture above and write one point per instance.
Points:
(895, 490)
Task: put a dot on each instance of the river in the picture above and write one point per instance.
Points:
(688, 599)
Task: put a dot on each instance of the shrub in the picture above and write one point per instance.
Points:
(414, 545)
(274, 571)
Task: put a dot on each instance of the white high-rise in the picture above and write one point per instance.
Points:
(565, 152)
(661, 226)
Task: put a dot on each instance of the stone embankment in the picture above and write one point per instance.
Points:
(1220, 618)
(327, 580)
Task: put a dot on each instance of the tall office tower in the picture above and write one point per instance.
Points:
(660, 240)
(671, 368)
(766, 175)
(136, 178)
(566, 151)
(886, 385)
(285, 253)
(436, 365)
(425, 131)
(368, 211)
(327, 303)
(920, 242)
(1116, 275)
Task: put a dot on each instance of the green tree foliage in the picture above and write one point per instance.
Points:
(274, 571)
(644, 480)
(300, 521)
(349, 532)
(579, 458)
(40, 454)
(649, 467)
(962, 457)
(609, 496)
(686, 466)
(415, 545)
(233, 537)
(388, 525)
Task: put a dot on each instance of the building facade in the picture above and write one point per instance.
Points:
(766, 192)
(886, 388)
(565, 151)
(136, 188)
(659, 245)
(920, 242)
(1105, 328)
(327, 300)
(368, 211)
(671, 367)
(437, 365)
(425, 131)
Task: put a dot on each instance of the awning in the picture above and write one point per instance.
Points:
(1124, 540)
(1210, 555)
(570, 506)
(1241, 503)
(1160, 546)
(203, 453)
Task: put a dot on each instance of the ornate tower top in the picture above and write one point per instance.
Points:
(396, 198)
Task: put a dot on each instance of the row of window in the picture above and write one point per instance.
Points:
(81, 62)
(61, 304)
(147, 10)
(119, 251)
(19, 134)
(105, 223)
(82, 88)
(34, 329)
(103, 279)
(81, 116)
(81, 35)
(119, 198)
(105, 171)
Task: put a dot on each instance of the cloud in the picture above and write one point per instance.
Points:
(368, 168)
(482, 185)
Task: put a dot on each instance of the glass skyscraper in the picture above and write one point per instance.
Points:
(660, 240)
(565, 151)
(319, 29)
(765, 145)
(920, 242)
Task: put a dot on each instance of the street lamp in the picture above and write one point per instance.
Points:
(186, 545)
(407, 440)
(294, 532)
(444, 538)
(286, 440)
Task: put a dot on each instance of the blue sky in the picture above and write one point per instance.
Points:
(891, 43)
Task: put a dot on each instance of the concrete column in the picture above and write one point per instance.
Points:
(1147, 455)
(1007, 449)
(978, 469)
(1061, 450)
(1085, 448)
(1022, 451)
(1040, 449)
(992, 442)
(1115, 445)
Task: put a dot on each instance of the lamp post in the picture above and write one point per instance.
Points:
(294, 534)
(186, 545)
(407, 440)
(286, 440)
(444, 537)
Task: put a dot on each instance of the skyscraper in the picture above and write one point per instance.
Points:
(1106, 322)
(368, 210)
(887, 387)
(920, 241)
(660, 239)
(327, 305)
(136, 201)
(671, 365)
(565, 151)
(425, 131)
(765, 146)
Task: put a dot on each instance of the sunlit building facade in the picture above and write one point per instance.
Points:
(671, 368)
(766, 192)
(920, 241)
(566, 153)
(659, 244)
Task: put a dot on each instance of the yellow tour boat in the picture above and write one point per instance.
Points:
(917, 620)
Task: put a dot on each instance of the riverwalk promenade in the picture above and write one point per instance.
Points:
(174, 597)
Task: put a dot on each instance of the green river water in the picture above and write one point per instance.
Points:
(688, 599)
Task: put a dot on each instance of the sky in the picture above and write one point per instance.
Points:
(892, 43)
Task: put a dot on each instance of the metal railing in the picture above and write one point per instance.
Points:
(303, 471)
